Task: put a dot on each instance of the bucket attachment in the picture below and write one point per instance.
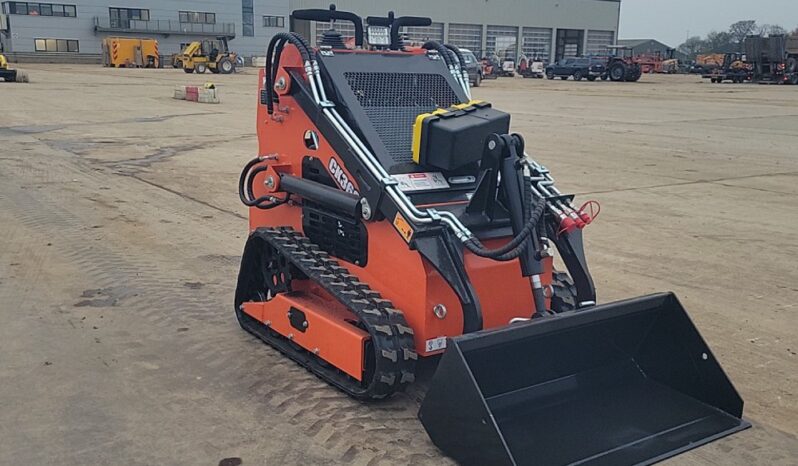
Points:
(630, 382)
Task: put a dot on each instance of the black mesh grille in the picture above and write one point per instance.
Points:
(392, 101)
(340, 236)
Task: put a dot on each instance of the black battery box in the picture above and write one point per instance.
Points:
(450, 138)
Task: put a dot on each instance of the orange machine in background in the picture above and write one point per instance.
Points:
(128, 52)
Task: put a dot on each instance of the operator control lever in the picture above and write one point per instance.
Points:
(321, 15)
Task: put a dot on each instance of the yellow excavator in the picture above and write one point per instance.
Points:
(10, 75)
(212, 55)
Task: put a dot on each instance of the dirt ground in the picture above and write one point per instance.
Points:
(121, 235)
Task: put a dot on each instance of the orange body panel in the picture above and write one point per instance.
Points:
(328, 333)
(400, 274)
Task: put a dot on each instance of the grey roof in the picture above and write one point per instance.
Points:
(636, 42)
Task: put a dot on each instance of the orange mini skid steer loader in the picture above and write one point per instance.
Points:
(393, 218)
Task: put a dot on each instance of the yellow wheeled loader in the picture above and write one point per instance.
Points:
(213, 55)
(11, 75)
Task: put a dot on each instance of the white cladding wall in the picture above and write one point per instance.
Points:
(25, 29)
(470, 23)
(566, 14)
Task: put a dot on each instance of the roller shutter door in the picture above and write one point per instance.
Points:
(466, 36)
(597, 42)
(503, 41)
(537, 43)
(420, 34)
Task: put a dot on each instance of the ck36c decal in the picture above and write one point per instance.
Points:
(341, 177)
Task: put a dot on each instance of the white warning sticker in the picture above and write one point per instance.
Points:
(436, 344)
(410, 182)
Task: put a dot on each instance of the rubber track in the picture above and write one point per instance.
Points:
(391, 337)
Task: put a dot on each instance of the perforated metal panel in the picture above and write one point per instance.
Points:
(537, 43)
(392, 101)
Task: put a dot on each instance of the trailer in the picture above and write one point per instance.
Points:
(707, 63)
(130, 52)
(774, 59)
(734, 68)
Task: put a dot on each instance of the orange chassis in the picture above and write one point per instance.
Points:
(400, 274)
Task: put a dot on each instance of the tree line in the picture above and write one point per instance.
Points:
(731, 40)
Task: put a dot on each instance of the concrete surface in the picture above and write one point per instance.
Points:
(121, 232)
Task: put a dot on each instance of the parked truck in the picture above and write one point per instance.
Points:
(773, 59)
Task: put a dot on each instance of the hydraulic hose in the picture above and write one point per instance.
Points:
(251, 181)
(273, 54)
(278, 43)
(246, 192)
(444, 52)
(516, 246)
(457, 53)
(243, 180)
(461, 67)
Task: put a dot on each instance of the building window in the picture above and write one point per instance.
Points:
(274, 21)
(41, 9)
(247, 18)
(56, 45)
(121, 17)
(197, 17)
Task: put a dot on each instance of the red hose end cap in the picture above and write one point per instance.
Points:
(586, 218)
(567, 225)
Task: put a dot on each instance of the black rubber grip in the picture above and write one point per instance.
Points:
(317, 14)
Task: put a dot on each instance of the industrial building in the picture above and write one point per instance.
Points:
(651, 47)
(78, 26)
(549, 29)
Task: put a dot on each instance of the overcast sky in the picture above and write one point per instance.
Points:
(670, 20)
